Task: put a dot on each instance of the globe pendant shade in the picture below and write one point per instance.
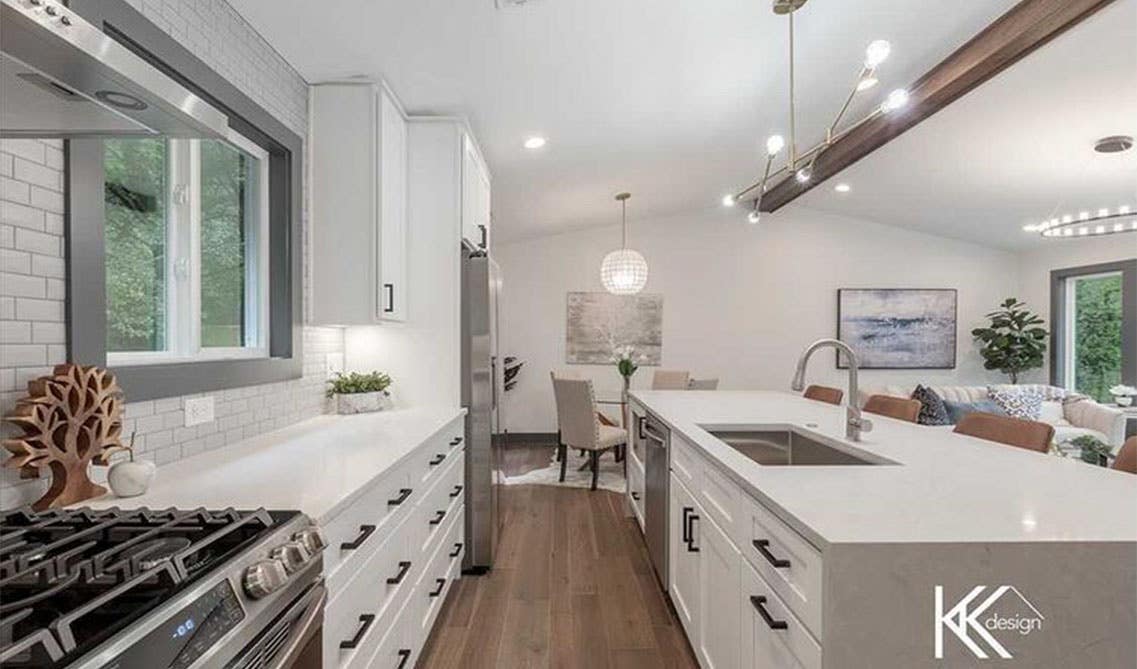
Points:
(623, 272)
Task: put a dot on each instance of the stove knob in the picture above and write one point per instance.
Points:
(264, 578)
(312, 539)
(293, 555)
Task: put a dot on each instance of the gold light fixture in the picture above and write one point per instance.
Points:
(799, 165)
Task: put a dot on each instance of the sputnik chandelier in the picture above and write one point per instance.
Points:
(799, 164)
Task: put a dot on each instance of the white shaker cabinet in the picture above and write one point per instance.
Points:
(475, 195)
(719, 578)
(683, 557)
(359, 205)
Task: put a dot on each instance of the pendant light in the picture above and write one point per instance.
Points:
(624, 271)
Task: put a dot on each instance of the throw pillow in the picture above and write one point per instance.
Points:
(957, 410)
(1023, 403)
(932, 410)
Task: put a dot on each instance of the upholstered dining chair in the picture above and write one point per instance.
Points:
(600, 415)
(900, 408)
(579, 425)
(1029, 434)
(669, 379)
(1127, 457)
(824, 394)
(703, 384)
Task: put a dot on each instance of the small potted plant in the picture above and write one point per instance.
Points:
(1123, 395)
(359, 393)
(1094, 450)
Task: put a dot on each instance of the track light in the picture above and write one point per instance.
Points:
(754, 217)
(876, 53)
(774, 145)
(728, 200)
(897, 99)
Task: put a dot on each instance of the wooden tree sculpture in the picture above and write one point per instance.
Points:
(68, 421)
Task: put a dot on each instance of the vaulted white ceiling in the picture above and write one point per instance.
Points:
(1015, 151)
(668, 99)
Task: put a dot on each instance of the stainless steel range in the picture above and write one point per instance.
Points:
(154, 589)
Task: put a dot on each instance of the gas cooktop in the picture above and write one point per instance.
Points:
(74, 580)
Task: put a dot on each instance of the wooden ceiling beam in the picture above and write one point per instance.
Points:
(1024, 28)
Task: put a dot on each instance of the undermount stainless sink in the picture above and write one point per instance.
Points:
(788, 448)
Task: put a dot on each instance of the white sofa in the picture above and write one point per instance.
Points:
(1072, 415)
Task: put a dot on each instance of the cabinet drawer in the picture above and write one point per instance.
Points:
(434, 456)
(720, 496)
(636, 491)
(438, 505)
(399, 649)
(436, 580)
(686, 462)
(365, 608)
(786, 561)
(358, 530)
(782, 640)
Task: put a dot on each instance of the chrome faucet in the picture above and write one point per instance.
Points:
(854, 423)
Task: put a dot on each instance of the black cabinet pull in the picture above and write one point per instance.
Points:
(404, 655)
(457, 491)
(390, 298)
(438, 458)
(365, 622)
(687, 511)
(640, 420)
(482, 228)
(365, 531)
(404, 493)
(404, 567)
(635, 496)
(691, 547)
(437, 591)
(455, 441)
(457, 550)
(763, 547)
(759, 603)
(438, 516)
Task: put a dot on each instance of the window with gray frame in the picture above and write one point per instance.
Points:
(183, 254)
(1093, 314)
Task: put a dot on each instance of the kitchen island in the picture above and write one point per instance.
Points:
(880, 564)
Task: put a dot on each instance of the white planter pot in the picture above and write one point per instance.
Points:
(362, 402)
(1123, 400)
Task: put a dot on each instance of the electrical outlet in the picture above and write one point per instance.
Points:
(199, 410)
(333, 364)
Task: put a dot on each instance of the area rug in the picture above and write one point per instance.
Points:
(611, 474)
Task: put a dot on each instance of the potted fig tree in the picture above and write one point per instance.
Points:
(360, 393)
(1014, 341)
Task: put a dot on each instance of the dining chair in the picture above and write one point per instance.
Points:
(1127, 457)
(579, 426)
(669, 379)
(900, 408)
(824, 394)
(703, 384)
(600, 415)
(1029, 434)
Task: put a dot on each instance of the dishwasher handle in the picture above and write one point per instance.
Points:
(652, 435)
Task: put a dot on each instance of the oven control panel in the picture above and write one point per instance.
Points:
(185, 636)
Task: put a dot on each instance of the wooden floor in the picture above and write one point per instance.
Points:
(572, 587)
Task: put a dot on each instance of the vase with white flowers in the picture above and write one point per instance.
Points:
(1123, 395)
(627, 362)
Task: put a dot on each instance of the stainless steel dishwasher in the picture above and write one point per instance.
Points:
(657, 441)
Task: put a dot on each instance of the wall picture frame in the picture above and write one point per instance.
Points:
(899, 328)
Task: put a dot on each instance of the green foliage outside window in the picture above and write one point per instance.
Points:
(1097, 333)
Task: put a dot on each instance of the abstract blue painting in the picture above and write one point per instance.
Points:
(894, 328)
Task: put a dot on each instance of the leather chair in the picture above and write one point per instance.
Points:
(1029, 434)
(824, 394)
(900, 408)
(1127, 457)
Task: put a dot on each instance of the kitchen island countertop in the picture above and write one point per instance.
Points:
(944, 488)
(317, 466)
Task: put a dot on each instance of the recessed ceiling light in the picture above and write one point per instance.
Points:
(534, 142)
(842, 188)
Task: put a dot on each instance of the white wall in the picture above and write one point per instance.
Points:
(740, 302)
(422, 354)
(1035, 265)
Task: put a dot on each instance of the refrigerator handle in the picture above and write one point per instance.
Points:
(493, 381)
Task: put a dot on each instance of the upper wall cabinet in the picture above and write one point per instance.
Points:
(475, 195)
(359, 205)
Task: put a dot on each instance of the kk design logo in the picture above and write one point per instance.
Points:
(1004, 609)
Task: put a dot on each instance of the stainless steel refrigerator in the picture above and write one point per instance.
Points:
(481, 391)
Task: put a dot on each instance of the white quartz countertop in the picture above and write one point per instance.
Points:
(317, 466)
(944, 488)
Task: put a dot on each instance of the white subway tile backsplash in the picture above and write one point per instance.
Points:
(31, 245)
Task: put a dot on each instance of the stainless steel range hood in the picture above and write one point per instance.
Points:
(60, 76)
